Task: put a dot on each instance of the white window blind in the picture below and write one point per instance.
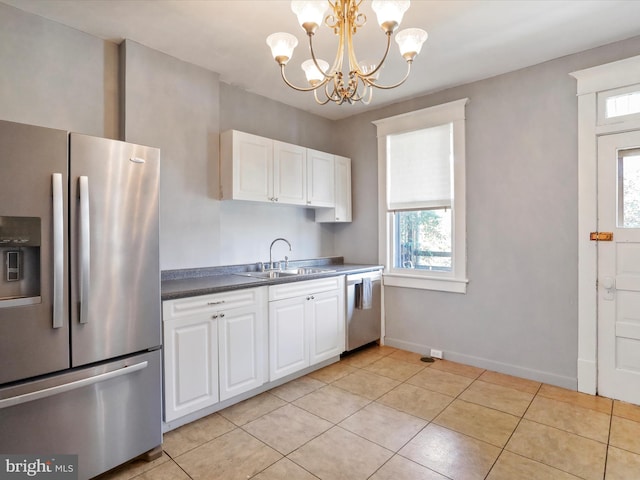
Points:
(419, 169)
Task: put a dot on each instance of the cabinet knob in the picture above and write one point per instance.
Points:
(222, 315)
(214, 316)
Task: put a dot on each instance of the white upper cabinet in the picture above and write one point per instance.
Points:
(320, 172)
(342, 184)
(289, 173)
(264, 170)
(246, 166)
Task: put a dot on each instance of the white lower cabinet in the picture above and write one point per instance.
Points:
(241, 342)
(190, 365)
(214, 348)
(306, 324)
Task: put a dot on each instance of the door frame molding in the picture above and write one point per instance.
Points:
(590, 82)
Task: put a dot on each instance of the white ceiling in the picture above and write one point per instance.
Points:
(468, 39)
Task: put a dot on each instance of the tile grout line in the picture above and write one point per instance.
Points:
(502, 450)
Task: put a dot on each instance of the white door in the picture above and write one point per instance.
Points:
(619, 266)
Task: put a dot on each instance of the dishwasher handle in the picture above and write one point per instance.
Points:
(356, 278)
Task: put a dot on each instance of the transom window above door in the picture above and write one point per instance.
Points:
(619, 105)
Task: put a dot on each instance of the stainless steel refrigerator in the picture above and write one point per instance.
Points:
(80, 321)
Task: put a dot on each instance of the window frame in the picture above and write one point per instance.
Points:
(455, 280)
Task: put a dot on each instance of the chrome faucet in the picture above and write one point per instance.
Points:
(271, 265)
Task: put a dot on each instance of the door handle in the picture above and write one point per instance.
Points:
(609, 285)
(58, 251)
(84, 250)
(49, 392)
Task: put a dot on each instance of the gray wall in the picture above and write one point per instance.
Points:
(55, 76)
(174, 105)
(520, 313)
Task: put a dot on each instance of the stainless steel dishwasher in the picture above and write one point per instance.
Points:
(363, 318)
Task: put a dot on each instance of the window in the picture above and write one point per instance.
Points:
(619, 105)
(421, 165)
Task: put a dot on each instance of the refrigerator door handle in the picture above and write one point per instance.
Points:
(66, 387)
(58, 251)
(84, 250)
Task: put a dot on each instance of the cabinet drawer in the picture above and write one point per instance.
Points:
(296, 289)
(211, 303)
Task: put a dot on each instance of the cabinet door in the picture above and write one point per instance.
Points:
(242, 339)
(288, 343)
(342, 210)
(252, 167)
(326, 331)
(343, 189)
(320, 172)
(190, 364)
(289, 173)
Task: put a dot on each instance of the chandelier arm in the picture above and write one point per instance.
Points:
(302, 89)
(318, 101)
(380, 63)
(337, 63)
(389, 87)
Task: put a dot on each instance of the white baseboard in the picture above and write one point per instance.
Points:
(506, 368)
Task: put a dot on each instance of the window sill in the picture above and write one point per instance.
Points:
(453, 285)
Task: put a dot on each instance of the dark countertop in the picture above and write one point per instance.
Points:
(203, 281)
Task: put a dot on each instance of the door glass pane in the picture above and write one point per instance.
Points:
(423, 239)
(629, 188)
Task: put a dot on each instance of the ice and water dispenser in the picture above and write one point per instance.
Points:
(20, 256)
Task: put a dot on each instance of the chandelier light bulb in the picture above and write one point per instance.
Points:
(282, 45)
(367, 67)
(390, 13)
(310, 13)
(314, 76)
(410, 42)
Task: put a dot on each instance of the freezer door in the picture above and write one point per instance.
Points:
(34, 326)
(106, 415)
(115, 279)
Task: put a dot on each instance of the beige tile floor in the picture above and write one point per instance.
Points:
(382, 414)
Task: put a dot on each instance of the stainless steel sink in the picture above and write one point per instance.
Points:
(308, 270)
(291, 272)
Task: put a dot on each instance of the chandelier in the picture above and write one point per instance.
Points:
(355, 84)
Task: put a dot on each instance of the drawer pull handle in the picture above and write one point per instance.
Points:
(215, 303)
